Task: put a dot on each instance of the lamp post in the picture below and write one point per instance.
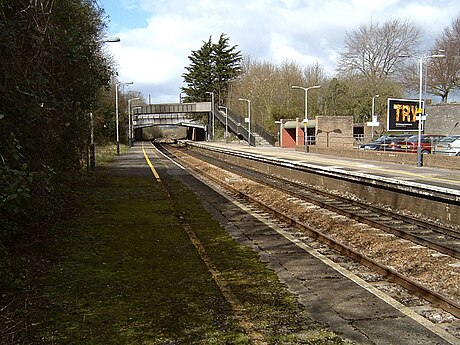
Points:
(374, 120)
(131, 123)
(212, 111)
(305, 120)
(249, 118)
(421, 105)
(226, 122)
(337, 130)
(92, 153)
(129, 119)
(116, 114)
(280, 123)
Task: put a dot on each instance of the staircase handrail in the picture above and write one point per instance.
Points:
(234, 125)
(237, 124)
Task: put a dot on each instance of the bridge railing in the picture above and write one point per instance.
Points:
(270, 138)
(237, 125)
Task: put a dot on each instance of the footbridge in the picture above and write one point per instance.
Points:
(179, 114)
(169, 114)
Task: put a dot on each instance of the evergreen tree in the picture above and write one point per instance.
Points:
(199, 78)
(212, 68)
(52, 66)
(227, 66)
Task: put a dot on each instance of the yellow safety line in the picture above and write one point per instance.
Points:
(152, 168)
(400, 172)
(426, 177)
(238, 308)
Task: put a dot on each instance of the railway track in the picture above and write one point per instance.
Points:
(428, 234)
(418, 231)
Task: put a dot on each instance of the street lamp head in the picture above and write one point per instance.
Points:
(423, 57)
(111, 39)
(243, 99)
(305, 88)
(436, 56)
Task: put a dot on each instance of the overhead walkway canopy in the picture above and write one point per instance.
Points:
(293, 124)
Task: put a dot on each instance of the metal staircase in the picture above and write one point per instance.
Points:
(236, 124)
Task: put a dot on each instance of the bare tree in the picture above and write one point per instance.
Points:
(352, 96)
(268, 86)
(373, 49)
(443, 75)
(315, 74)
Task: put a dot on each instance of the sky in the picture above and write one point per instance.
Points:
(157, 36)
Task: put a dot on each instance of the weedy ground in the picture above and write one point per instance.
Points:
(122, 270)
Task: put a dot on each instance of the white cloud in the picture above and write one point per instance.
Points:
(304, 31)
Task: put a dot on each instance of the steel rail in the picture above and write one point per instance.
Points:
(415, 287)
(340, 209)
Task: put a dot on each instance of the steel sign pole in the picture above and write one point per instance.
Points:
(419, 139)
(249, 118)
(421, 111)
(226, 122)
(116, 118)
(116, 113)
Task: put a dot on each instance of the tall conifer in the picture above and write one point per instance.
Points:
(211, 69)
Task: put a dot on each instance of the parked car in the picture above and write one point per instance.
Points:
(449, 146)
(410, 144)
(383, 142)
(392, 143)
(375, 145)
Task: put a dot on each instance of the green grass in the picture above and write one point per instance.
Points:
(125, 272)
(106, 154)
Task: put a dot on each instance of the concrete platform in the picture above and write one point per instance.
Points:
(435, 177)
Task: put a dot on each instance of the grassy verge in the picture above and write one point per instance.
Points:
(106, 154)
(128, 274)
(123, 271)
